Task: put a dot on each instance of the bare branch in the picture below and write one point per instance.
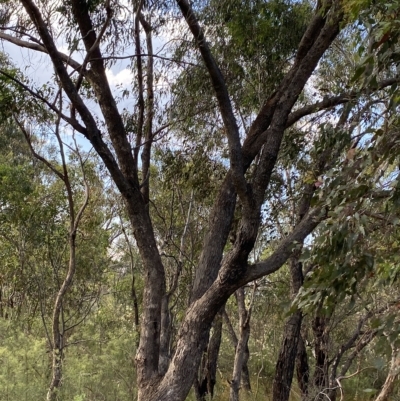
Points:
(147, 55)
(139, 67)
(146, 152)
(40, 48)
(330, 102)
(285, 249)
(225, 106)
(27, 136)
(87, 190)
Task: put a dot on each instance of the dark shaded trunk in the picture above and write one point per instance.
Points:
(286, 359)
(165, 337)
(293, 346)
(208, 371)
(245, 380)
(302, 368)
(321, 338)
(289, 349)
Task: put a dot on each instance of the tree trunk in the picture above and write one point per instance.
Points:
(387, 388)
(321, 338)
(288, 352)
(245, 370)
(165, 336)
(214, 281)
(57, 362)
(245, 380)
(302, 368)
(241, 356)
(287, 357)
(208, 370)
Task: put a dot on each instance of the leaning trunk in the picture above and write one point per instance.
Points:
(58, 332)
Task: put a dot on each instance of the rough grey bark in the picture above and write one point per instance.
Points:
(165, 335)
(289, 349)
(292, 337)
(287, 355)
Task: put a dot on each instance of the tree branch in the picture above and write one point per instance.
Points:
(333, 101)
(92, 132)
(40, 48)
(285, 248)
(221, 92)
(74, 124)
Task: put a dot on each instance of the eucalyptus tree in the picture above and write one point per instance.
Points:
(80, 95)
(41, 255)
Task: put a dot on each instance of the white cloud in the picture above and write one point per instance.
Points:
(123, 77)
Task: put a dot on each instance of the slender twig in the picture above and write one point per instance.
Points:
(146, 55)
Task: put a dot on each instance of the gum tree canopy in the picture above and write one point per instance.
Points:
(231, 79)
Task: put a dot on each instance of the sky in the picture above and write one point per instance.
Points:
(38, 69)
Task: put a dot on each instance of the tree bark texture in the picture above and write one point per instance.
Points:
(286, 360)
(289, 351)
